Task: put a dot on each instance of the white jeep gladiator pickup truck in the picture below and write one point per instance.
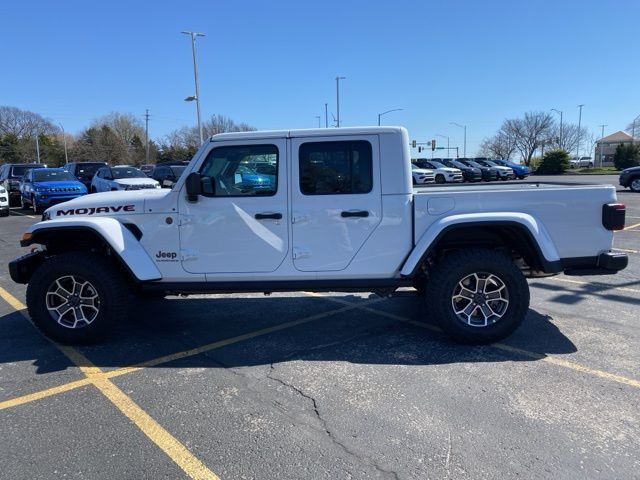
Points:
(337, 213)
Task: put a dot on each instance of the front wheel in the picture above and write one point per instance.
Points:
(635, 185)
(34, 205)
(77, 298)
(477, 296)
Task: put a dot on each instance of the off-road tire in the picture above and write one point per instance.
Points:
(110, 286)
(457, 265)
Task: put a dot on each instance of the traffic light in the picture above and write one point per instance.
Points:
(433, 145)
(419, 149)
(413, 144)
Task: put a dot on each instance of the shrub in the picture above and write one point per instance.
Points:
(626, 156)
(554, 161)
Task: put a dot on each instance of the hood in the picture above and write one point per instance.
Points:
(501, 168)
(449, 169)
(136, 181)
(107, 203)
(60, 185)
(631, 169)
(424, 171)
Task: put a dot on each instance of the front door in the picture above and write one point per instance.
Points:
(336, 199)
(240, 224)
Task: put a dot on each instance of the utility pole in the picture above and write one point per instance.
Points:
(38, 146)
(601, 144)
(64, 139)
(560, 139)
(444, 136)
(338, 99)
(326, 115)
(195, 75)
(146, 135)
(464, 154)
(579, 131)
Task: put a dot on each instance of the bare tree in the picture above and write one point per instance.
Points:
(528, 132)
(24, 124)
(569, 140)
(498, 146)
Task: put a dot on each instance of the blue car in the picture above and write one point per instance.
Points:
(42, 187)
(521, 171)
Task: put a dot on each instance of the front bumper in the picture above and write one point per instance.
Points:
(49, 200)
(606, 263)
(22, 268)
(624, 180)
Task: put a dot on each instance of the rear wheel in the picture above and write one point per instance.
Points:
(477, 296)
(77, 298)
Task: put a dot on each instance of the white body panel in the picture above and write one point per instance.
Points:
(218, 239)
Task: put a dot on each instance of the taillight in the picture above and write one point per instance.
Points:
(613, 216)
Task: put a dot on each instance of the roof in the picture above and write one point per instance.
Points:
(310, 132)
(619, 136)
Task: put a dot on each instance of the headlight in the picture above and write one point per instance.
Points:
(132, 187)
(42, 189)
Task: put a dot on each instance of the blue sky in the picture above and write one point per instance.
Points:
(273, 64)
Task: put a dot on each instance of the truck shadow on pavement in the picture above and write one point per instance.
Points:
(336, 332)
(571, 295)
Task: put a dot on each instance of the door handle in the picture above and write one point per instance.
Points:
(355, 213)
(268, 216)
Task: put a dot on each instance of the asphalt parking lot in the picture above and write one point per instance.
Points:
(311, 386)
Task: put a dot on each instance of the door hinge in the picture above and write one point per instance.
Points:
(299, 253)
(188, 254)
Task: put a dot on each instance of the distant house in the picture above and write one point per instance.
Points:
(606, 147)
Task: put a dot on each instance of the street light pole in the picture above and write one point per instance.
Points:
(195, 75)
(318, 117)
(602, 144)
(579, 132)
(64, 140)
(326, 115)
(444, 136)
(464, 148)
(338, 99)
(388, 111)
(38, 146)
(146, 136)
(560, 112)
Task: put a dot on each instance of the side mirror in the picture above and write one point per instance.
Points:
(194, 186)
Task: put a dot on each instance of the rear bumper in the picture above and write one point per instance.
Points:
(606, 263)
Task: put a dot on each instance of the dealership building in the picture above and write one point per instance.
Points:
(606, 147)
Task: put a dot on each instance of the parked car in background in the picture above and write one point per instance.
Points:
(147, 168)
(488, 175)
(581, 162)
(84, 171)
(167, 175)
(442, 173)
(470, 174)
(630, 178)
(504, 173)
(521, 171)
(10, 176)
(4, 202)
(121, 177)
(41, 188)
(420, 176)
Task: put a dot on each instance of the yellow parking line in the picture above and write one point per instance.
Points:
(95, 374)
(32, 397)
(538, 356)
(175, 450)
(632, 226)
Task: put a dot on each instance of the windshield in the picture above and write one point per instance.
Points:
(45, 175)
(19, 170)
(127, 172)
(458, 164)
(88, 169)
(437, 165)
(489, 162)
(474, 164)
(178, 171)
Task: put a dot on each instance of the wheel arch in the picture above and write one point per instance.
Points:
(105, 236)
(518, 232)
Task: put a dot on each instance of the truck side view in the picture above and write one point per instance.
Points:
(338, 212)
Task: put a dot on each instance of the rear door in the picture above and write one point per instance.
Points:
(336, 199)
